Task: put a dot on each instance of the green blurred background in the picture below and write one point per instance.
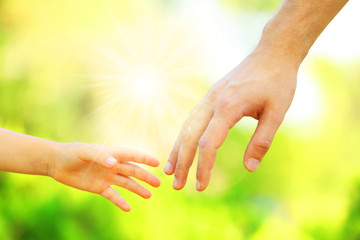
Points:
(63, 69)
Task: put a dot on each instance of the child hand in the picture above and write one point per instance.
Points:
(94, 168)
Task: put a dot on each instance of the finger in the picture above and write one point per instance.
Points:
(131, 170)
(189, 144)
(112, 195)
(261, 140)
(213, 137)
(170, 165)
(128, 155)
(132, 186)
(92, 154)
(139, 157)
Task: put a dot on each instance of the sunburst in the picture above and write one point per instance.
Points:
(145, 77)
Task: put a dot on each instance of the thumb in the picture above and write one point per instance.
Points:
(93, 154)
(261, 140)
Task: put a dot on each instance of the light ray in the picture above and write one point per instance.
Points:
(145, 79)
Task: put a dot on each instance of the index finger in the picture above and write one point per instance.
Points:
(189, 145)
(128, 155)
(171, 164)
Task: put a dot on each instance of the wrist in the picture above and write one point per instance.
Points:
(49, 158)
(275, 57)
(282, 45)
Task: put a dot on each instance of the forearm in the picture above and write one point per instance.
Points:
(294, 29)
(25, 154)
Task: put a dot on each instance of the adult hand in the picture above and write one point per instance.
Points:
(261, 87)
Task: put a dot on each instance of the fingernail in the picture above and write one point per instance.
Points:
(167, 167)
(110, 161)
(175, 183)
(252, 164)
(197, 184)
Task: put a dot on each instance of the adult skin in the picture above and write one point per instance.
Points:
(262, 87)
(88, 167)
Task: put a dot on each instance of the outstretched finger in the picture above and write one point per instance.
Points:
(129, 155)
(131, 170)
(112, 195)
(132, 186)
(171, 164)
(189, 145)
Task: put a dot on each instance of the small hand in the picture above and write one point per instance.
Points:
(94, 168)
(261, 87)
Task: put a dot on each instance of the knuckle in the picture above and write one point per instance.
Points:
(262, 146)
(119, 180)
(204, 168)
(109, 178)
(209, 166)
(224, 103)
(185, 125)
(138, 173)
(275, 118)
(173, 155)
(145, 160)
(204, 142)
(83, 151)
(132, 172)
(147, 178)
(212, 94)
(182, 165)
(126, 185)
(111, 198)
(99, 157)
(188, 136)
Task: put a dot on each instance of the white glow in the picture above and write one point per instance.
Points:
(306, 105)
(340, 40)
(145, 83)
